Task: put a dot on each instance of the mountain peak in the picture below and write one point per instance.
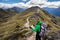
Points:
(35, 7)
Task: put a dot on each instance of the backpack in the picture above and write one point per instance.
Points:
(43, 29)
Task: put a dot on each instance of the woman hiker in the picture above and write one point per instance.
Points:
(39, 28)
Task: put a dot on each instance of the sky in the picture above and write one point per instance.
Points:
(53, 0)
(16, 1)
(29, 3)
(48, 5)
(13, 1)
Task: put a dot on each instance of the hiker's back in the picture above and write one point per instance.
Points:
(43, 29)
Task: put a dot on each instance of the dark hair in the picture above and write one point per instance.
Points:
(33, 25)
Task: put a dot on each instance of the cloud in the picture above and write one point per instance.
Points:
(40, 3)
(52, 4)
(4, 5)
(37, 2)
(44, 3)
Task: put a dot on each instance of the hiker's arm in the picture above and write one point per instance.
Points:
(33, 28)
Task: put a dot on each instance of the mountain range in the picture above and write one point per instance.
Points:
(55, 11)
(14, 28)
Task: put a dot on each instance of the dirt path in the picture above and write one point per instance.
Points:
(27, 23)
(32, 37)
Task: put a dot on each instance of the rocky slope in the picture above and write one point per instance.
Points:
(6, 14)
(16, 29)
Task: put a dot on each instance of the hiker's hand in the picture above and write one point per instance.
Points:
(30, 27)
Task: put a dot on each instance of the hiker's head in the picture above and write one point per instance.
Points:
(38, 20)
(33, 24)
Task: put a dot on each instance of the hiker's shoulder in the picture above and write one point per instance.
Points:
(40, 22)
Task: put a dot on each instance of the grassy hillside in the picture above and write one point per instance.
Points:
(14, 28)
(6, 14)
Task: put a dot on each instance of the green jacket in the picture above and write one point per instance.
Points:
(37, 28)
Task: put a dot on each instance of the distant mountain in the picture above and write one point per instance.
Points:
(15, 9)
(18, 9)
(55, 11)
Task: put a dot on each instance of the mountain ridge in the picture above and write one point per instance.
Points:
(15, 26)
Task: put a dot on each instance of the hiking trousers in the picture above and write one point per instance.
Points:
(38, 37)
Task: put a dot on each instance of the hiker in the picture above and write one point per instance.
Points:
(39, 29)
